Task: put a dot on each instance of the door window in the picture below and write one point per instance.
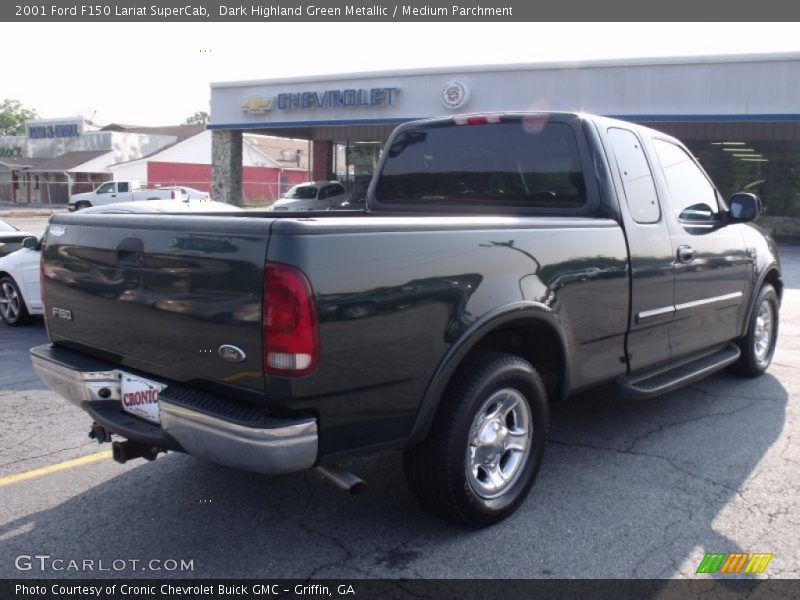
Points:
(691, 194)
(123, 186)
(637, 180)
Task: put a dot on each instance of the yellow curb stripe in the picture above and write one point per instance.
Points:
(67, 464)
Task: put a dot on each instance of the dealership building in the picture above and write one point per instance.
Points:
(739, 114)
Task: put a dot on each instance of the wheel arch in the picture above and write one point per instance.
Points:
(524, 329)
(772, 275)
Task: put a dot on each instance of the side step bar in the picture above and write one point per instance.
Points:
(654, 383)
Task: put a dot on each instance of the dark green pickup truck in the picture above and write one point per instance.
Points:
(503, 262)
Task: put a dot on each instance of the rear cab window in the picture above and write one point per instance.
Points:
(637, 179)
(521, 163)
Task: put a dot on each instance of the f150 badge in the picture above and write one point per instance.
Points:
(62, 313)
(231, 353)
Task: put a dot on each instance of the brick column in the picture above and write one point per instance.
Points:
(226, 167)
(321, 160)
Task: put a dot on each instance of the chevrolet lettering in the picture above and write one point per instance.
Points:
(501, 263)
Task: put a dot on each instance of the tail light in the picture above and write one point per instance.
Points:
(476, 119)
(290, 338)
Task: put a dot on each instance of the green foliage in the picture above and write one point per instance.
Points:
(13, 116)
(198, 118)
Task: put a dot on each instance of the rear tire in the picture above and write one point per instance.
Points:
(484, 449)
(758, 344)
(12, 306)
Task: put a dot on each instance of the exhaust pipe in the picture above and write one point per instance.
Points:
(342, 479)
(128, 450)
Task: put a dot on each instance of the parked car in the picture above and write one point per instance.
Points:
(112, 192)
(499, 267)
(163, 206)
(312, 195)
(10, 238)
(20, 296)
(187, 192)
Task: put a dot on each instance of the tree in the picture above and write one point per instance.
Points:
(13, 116)
(198, 118)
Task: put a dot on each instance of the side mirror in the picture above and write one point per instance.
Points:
(744, 207)
(31, 243)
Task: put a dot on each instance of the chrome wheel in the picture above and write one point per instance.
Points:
(499, 443)
(9, 302)
(762, 336)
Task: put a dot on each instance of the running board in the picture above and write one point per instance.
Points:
(654, 383)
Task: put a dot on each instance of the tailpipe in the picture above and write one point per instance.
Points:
(128, 450)
(342, 479)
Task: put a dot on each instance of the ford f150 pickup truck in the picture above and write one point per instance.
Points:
(503, 262)
(120, 191)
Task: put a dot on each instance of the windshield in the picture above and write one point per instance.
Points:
(301, 192)
(512, 163)
(7, 226)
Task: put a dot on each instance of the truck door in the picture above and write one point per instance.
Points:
(711, 264)
(652, 275)
(123, 191)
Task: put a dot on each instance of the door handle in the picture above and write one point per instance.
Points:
(685, 254)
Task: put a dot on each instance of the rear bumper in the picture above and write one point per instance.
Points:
(262, 443)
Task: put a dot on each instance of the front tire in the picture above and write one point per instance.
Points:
(482, 455)
(758, 344)
(12, 306)
(82, 204)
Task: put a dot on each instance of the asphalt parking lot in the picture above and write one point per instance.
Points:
(627, 489)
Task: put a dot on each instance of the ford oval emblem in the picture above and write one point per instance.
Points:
(232, 353)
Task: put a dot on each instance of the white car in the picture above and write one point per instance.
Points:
(20, 296)
(184, 192)
(312, 195)
(163, 206)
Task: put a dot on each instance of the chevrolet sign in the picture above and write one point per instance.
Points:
(256, 105)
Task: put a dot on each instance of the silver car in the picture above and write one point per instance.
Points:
(312, 195)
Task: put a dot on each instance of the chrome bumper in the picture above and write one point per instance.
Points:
(283, 446)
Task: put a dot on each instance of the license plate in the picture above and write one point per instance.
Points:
(140, 397)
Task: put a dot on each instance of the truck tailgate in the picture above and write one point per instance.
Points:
(160, 294)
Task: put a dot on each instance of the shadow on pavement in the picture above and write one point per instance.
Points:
(627, 489)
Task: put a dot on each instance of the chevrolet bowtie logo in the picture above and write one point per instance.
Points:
(256, 105)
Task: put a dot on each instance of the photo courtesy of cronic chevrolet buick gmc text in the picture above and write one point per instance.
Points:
(503, 262)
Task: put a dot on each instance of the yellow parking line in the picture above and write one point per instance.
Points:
(67, 464)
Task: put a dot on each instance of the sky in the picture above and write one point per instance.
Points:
(159, 73)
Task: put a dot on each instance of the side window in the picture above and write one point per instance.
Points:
(640, 190)
(336, 190)
(123, 186)
(105, 188)
(691, 194)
